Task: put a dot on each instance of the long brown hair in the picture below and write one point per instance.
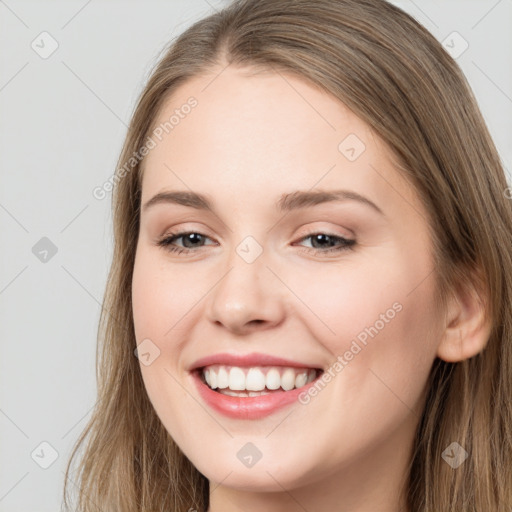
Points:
(393, 74)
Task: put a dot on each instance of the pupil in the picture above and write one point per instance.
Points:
(320, 237)
(190, 238)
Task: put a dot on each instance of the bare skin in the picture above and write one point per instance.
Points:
(250, 139)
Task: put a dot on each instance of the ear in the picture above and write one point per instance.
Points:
(468, 325)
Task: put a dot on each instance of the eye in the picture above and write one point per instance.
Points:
(191, 239)
(328, 243)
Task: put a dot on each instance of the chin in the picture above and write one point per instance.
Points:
(263, 476)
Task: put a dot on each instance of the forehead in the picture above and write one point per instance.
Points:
(263, 132)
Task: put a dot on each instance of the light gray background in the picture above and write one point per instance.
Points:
(63, 120)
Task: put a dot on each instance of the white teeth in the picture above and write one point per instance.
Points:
(236, 381)
(232, 393)
(301, 380)
(213, 380)
(288, 379)
(255, 380)
(273, 379)
(222, 378)
(257, 393)
(242, 393)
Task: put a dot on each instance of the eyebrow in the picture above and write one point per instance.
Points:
(287, 202)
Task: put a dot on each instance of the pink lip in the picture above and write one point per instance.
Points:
(251, 407)
(253, 359)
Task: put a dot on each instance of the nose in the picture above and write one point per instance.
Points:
(247, 298)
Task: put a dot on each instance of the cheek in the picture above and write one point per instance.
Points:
(161, 297)
(377, 318)
(343, 302)
(382, 349)
(158, 305)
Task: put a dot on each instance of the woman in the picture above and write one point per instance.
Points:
(312, 267)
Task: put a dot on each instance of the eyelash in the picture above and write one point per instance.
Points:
(347, 244)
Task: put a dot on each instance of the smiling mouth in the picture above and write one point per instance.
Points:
(255, 380)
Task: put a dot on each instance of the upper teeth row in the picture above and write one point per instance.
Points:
(257, 378)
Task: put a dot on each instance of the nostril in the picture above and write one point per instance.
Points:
(253, 323)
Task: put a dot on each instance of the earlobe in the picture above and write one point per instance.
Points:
(468, 326)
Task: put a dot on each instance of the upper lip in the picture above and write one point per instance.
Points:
(253, 359)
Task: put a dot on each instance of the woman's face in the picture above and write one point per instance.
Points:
(267, 294)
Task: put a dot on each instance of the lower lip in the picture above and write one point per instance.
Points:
(251, 407)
